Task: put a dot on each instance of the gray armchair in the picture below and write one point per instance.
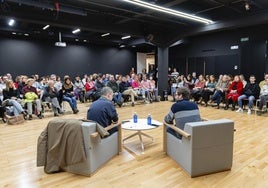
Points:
(206, 146)
(98, 151)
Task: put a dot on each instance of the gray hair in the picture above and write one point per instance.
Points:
(106, 90)
(184, 92)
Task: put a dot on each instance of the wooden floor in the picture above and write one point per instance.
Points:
(131, 168)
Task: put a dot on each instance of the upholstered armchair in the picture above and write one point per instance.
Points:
(98, 150)
(206, 146)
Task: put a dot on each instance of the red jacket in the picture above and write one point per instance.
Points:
(238, 86)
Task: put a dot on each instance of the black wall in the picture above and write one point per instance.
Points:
(34, 57)
(211, 53)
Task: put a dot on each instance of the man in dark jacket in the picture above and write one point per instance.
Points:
(103, 111)
(250, 92)
(114, 86)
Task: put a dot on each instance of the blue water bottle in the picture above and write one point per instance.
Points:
(135, 118)
(149, 120)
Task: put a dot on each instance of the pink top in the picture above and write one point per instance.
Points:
(145, 84)
(135, 84)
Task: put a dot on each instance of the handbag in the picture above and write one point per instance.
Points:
(14, 120)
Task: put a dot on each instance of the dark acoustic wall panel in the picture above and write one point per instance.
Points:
(43, 58)
(210, 65)
(252, 53)
(249, 58)
(226, 64)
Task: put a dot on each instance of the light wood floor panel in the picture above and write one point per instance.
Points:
(131, 168)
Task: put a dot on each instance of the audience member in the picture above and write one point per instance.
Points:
(11, 98)
(221, 87)
(68, 94)
(51, 95)
(114, 86)
(233, 92)
(30, 96)
(251, 92)
(264, 95)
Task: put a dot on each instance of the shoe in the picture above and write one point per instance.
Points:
(56, 114)
(40, 116)
(30, 117)
(206, 104)
(75, 111)
(226, 107)
(132, 104)
(233, 108)
(5, 102)
(200, 101)
(60, 111)
(24, 114)
(120, 104)
(249, 111)
(218, 107)
(239, 110)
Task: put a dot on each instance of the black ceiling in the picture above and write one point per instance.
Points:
(146, 27)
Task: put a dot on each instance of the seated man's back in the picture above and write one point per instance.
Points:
(102, 110)
(183, 111)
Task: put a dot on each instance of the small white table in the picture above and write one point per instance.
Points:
(140, 126)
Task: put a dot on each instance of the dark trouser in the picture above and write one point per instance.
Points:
(218, 95)
(206, 94)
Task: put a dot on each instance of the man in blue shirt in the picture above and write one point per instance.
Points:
(103, 111)
(183, 111)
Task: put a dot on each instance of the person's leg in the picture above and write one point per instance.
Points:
(250, 102)
(17, 106)
(218, 96)
(38, 105)
(74, 103)
(29, 108)
(240, 103)
(69, 100)
(156, 94)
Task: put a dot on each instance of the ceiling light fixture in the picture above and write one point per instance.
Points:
(105, 34)
(76, 40)
(169, 11)
(122, 46)
(85, 40)
(26, 34)
(13, 33)
(11, 22)
(125, 37)
(76, 31)
(47, 26)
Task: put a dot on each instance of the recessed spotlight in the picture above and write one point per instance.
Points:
(76, 31)
(11, 22)
(26, 34)
(125, 37)
(122, 46)
(105, 34)
(13, 33)
(76, 40)
(133, 46)
(85, 40)
(47, 26)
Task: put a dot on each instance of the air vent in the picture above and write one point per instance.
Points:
(208, 50)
